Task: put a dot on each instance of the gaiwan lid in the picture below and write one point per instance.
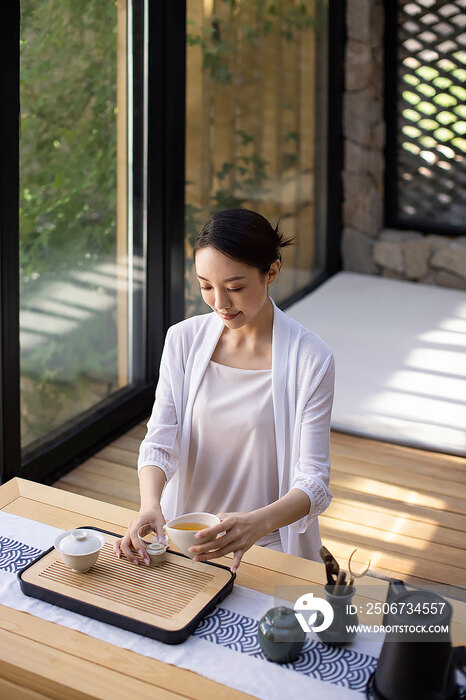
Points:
(79, 541)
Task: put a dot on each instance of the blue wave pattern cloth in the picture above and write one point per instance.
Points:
(16, 555)
(342, 667)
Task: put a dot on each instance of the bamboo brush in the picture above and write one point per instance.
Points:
(327, 556)
(340, 584)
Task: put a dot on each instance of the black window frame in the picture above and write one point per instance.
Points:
(9, 233)
(392, 218)
(165, 244)
(165, 203)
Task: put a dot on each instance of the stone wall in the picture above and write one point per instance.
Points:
(430, 259)
(366, 246)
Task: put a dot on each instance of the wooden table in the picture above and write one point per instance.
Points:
(42, 659)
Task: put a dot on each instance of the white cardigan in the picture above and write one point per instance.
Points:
(302, 389)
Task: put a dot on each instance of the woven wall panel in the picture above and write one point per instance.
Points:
(432, 111)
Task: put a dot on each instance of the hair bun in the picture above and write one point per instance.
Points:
(243, 235)
(282, 241)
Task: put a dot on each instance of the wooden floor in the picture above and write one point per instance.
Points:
(402, 508)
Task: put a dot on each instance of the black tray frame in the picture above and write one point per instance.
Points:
(116, 619)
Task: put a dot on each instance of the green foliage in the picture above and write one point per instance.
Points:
(217, 41)
(67, 198)
(68, 132)
(215, 51)
(245, 179)
(248, 179)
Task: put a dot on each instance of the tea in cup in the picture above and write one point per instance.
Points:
(189, 526)
(182, 530)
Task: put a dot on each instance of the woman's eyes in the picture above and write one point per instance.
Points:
(228, 290)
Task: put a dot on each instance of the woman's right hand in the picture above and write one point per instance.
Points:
(155, 520)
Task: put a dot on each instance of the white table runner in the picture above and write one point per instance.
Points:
(224, 647)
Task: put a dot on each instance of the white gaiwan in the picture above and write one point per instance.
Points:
(183, 539)
(79, 549)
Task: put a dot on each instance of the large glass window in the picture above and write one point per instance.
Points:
(256, 126)
(81, 279)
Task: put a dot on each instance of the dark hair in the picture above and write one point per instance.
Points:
(245, 236)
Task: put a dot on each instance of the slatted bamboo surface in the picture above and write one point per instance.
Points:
(166, 597)
(403, 508)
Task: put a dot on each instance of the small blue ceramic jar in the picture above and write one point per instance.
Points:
(280, 635)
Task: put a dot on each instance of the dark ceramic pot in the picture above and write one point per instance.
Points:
(338, 634)
(280, 635)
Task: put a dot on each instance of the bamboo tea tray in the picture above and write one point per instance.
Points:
(164, 602)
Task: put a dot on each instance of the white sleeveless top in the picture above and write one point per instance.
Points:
(232, 463)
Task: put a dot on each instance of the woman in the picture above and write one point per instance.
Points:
(241, 422)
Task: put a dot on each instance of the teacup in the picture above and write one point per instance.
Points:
(184, 539)
(155, 549)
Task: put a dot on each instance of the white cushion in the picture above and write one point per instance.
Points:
(400, 354)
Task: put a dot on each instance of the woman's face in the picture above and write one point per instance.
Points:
(235, 291)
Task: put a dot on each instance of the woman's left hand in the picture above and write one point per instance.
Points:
(241, 531)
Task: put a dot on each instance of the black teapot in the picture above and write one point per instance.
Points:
(415, 664)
